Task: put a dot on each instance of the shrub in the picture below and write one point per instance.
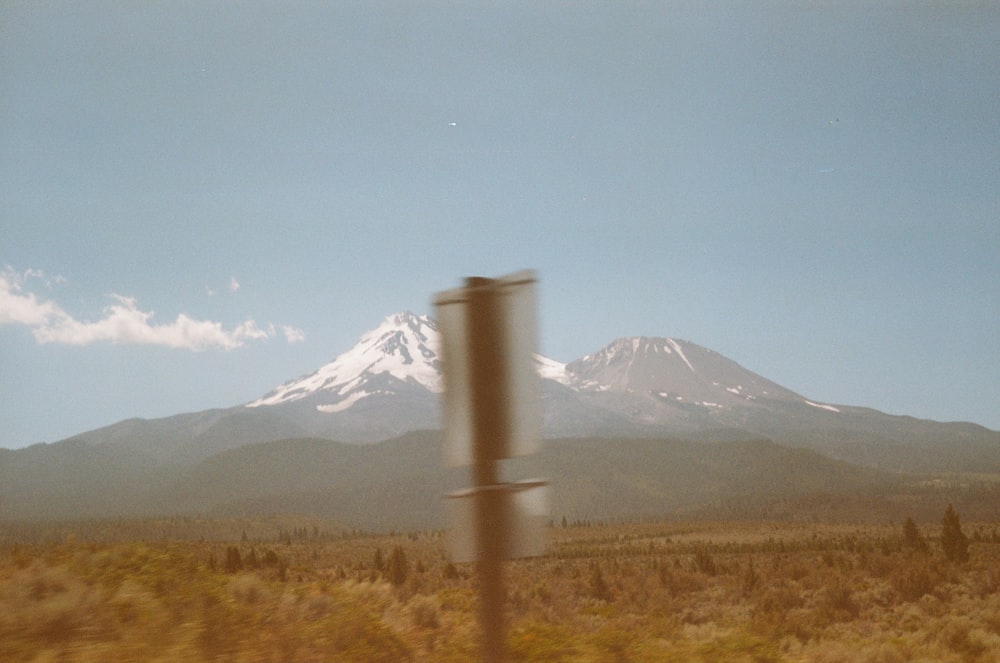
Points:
(398, 566)
(424, 611)
(704, 562)
(541, 642)
(838, 601)
(234, 561)
(598, 587)
(750, 580)
(953, 540)
(915, 580)
(678, 582)
(957, 638)
(248, 589)
(912, 538)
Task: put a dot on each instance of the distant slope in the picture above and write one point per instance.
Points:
(397, 484)
(639, 478)
(76, 480)
(400, 483)
(185, 438)
(863, 436)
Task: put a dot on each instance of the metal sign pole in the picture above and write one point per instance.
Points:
(487, 368)
(491, 412)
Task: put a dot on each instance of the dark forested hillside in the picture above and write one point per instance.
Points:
(400, 483)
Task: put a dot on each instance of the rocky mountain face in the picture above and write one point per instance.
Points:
(674, 383)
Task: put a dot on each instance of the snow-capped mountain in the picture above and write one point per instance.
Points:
(389, 384)
(404, 347)
(673, 369)
(390, 381)
(676, 382)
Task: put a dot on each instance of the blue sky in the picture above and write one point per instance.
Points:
(201, 200)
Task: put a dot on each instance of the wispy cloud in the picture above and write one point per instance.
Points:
(233, 286)
(47, 279)
(125, 323)
(293, 334)
(122, 322)
(23, 308)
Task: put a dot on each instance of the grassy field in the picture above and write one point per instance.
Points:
(723, 591)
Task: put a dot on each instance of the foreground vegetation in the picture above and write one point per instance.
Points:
(644, 592)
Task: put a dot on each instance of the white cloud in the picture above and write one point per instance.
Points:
(39, 274)
(293, 334)
(123, 322)
(17, 307)
(232, 287)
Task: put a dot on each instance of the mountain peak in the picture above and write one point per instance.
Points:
(634, 362)
(663, 378)
(407, 320)
(674, 371)
(404, 347)
(422, 327)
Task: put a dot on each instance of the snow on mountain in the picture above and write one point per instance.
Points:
(550, 369)
(823, 406)
(649, 380)
(634, 364)
(675, 372)
(404, 346)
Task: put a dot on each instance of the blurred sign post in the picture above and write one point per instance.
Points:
(491, 412)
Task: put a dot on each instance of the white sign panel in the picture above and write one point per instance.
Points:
(515, 303)
(526, 513)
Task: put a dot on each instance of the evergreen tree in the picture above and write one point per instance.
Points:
(953, 540)
(251, 562)
(234, 562)
(399, 567)
(598, 587)
(750, 580)
(912, 538)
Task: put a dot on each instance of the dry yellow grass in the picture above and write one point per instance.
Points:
(653, 592)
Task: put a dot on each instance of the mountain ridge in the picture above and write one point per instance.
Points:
(632, 395)
(398, 484)
(405, 348)
(390, 382)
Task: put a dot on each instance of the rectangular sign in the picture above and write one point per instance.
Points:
(525, 512)
(515, 409)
